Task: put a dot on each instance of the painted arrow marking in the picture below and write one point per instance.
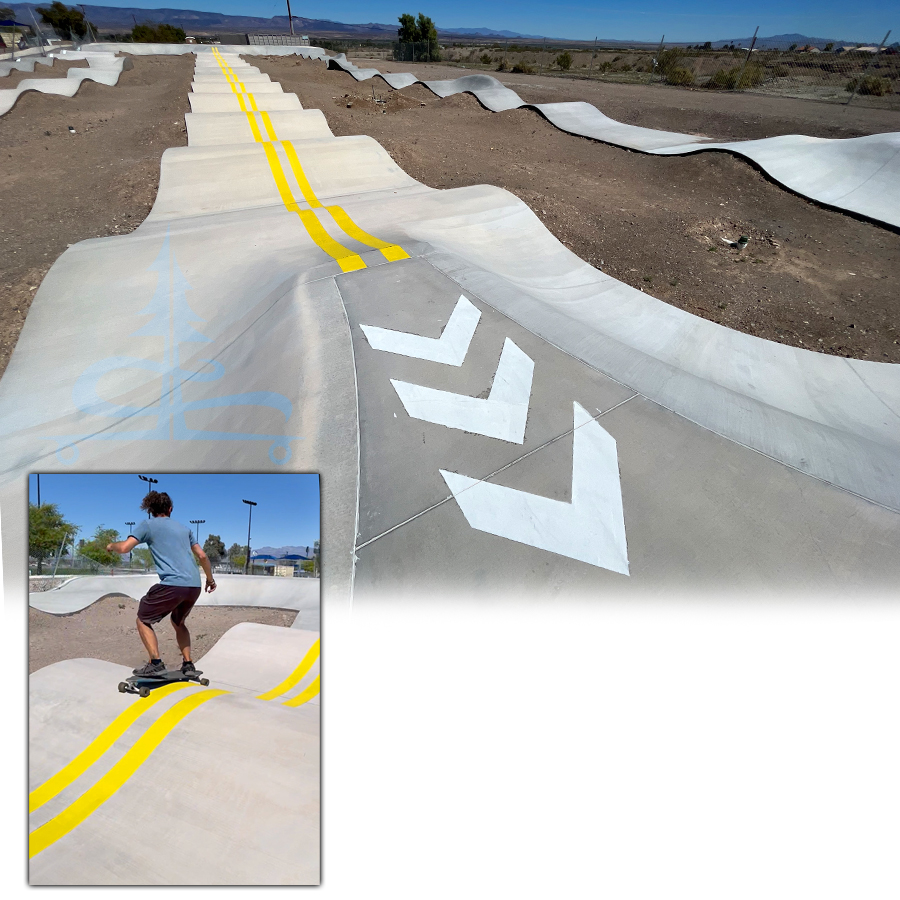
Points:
(450, 348)
(591, 528)
(502, 415)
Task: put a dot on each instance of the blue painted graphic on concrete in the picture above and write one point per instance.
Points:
(173, 320)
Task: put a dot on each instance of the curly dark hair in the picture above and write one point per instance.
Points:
(157, 503)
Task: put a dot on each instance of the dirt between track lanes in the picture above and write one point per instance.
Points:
(58, 188)
(810, 277)
(106, 630)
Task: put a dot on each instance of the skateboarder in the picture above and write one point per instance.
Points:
(171, 545)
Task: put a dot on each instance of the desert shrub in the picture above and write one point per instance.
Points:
(625, 67)
(679, 76)
(871, 84)
(727, 79)
(502, 67)
(780, 71)
(486, 59)
(523, 69)
(564, 60)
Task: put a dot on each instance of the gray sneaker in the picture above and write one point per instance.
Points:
(187, 667)
(151, 669)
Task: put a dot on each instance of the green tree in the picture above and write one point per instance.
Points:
(95, 548)
(564, 60)
(143, 556)
(308, 565)
(68, 22)
(214, 548)
(158, 34)
(47, 530)
(237, 555)
(407, 32)
(6, 13)
(420, 31)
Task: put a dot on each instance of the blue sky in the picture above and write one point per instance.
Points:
(689, 20)
(287, 514)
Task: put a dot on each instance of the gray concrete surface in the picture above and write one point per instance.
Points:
(301, 594)
(277, 253)
(228, 794)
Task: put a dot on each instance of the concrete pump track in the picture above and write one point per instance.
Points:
(488, 414)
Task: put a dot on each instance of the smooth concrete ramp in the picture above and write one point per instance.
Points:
(488, 412)
(857, 175)
(264, 591)
(104, 68)
(190, 786)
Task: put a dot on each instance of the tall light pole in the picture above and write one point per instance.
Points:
(198, 522)
(251, 504)
(39, 488)
(130, 552)
(150, 481)
(291, 23)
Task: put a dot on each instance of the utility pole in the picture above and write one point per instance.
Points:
(251, 504)
(150, 481)
(859, 81)
(290, 17)
(198, 522)
(40, 35)
(86, 22)
(737, 85)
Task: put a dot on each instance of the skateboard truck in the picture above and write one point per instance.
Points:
(144, 684)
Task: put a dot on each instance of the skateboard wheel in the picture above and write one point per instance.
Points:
(122, 687)
(204, 681)
(144, 692)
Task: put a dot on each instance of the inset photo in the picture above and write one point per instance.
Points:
(174, 689)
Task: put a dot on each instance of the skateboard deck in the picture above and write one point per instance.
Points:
(144, 684)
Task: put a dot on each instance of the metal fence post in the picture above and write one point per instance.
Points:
(654, 62)
(591, 69)
(737, 84)
(541, 69)
(865, 74)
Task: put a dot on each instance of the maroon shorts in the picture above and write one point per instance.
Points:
(163, 599)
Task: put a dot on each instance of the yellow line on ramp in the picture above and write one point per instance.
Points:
(305, 665)
(81, 763)
(74, 814)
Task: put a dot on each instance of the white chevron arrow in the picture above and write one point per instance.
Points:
(450, 348)
(591, 528)
(502, 415)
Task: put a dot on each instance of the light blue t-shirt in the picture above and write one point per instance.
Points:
(170, 546)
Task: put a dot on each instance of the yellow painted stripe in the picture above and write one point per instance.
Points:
(240, 99)
(252, 100)
(304, 695)
(390, 251)
(346, 259)
(251, 118)
(96, 796)
(308, 194)
(305, 665)
(267, 122)
(78, 766)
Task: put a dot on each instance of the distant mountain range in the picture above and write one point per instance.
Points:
(119, 20)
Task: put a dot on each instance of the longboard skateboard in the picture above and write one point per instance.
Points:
(143, 684)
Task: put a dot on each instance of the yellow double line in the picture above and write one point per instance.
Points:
(74, 814)
(347, 259)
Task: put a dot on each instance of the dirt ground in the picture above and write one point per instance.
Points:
(810, 277)
(106, 630)
(58, 188)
